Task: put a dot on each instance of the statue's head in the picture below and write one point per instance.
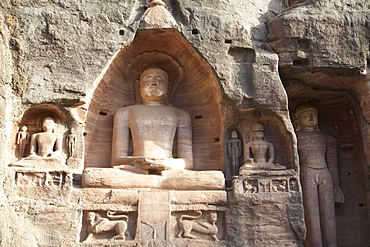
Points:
(90, 217)
(48, 124)
(213, 217)
(258, 131)
(234, 134)
(154, 85)
(24, 128)
(307, 117)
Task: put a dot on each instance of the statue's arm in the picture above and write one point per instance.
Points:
(57, 152)
(184, 139)
(247, 152)
(229, 147)
(271, 153)
(332, 161)
(59, 144)
(121, 133)
(17, 141)
(33, 145)
(239, 144)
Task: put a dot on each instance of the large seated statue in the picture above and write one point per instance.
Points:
(153, 127)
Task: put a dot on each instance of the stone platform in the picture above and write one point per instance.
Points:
(172, 180)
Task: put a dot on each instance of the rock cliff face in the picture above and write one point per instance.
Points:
(243, 62)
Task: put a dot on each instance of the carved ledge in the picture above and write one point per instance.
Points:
(171, 180)
(37, 162)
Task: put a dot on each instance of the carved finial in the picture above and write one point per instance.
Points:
(153, 3)
(157, 16)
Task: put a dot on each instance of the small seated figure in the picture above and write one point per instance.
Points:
(47, 143)
(259, 148)
(153, 126)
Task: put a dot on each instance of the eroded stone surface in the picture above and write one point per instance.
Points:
(57, 52)
(178, 180)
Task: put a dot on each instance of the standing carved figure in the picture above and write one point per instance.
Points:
(319, 177)
(235, 151)
(47, 143)
(71, 143)
(21, 140)
(257, 150)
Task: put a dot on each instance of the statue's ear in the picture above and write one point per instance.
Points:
(169, 93)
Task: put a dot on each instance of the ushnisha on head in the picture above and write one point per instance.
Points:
(307, 116)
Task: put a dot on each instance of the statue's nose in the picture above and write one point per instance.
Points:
(311, 117)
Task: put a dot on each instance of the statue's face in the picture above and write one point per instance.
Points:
(153, 85)
(258, 130)
(90, 217)
(48, 124)
(234, 134)
(308, 119)
(213, 217)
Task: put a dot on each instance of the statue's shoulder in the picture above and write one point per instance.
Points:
(330, 139)
(125, 109)
(182, 112)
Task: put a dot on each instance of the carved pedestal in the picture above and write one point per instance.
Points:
(173, 209)
(267, 209)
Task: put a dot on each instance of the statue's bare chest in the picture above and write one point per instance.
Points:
(151, 118)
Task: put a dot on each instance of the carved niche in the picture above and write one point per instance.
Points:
(338, 117)
(275, 139)
(38, 139)
(194, 88)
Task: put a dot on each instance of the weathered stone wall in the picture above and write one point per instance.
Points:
(55, 52)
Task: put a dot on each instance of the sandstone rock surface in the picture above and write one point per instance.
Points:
(245, 61)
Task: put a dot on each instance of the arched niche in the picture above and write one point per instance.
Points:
(275, 133)
(195, 88)
(339, 116)
(32, 118)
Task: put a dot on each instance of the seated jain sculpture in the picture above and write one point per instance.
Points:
(47, 143)
(259, 148)
(319, 177)
(153, 126)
